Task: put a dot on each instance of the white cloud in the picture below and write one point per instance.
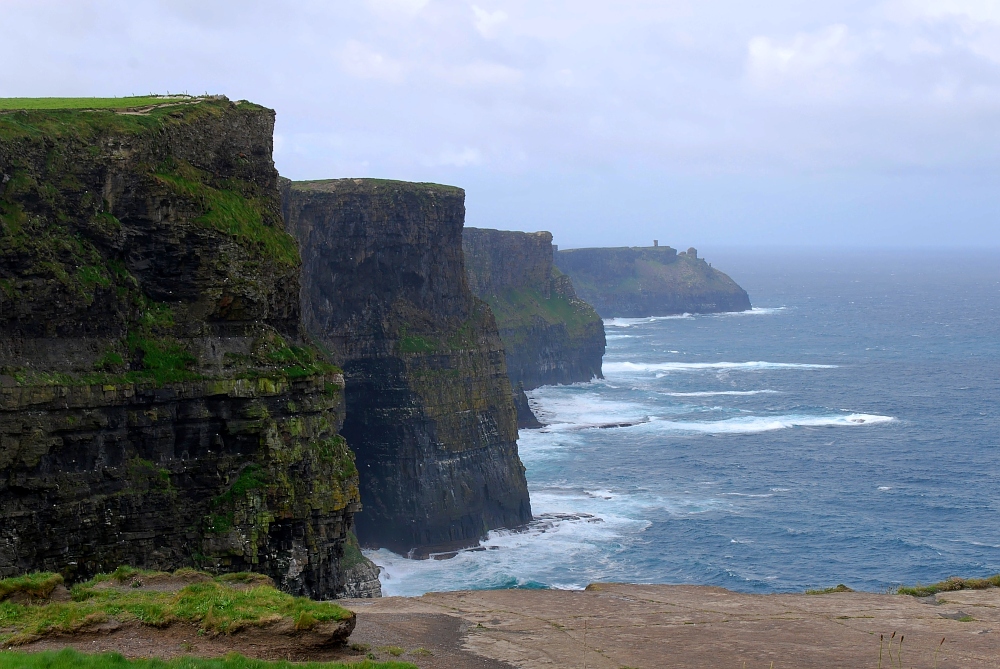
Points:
(464, 157)
(986, 11)
(818, 60)
(397, 8)
(362, 61)
(483, 73)
(487, 22)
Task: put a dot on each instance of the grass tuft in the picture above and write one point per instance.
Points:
(951, 585)
(826, 591)
(39, 585)
(71, 659)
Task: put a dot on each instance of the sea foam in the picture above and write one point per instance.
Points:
(626, 367)
(714, 393)
(753, 424)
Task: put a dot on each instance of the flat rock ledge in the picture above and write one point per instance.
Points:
(615, 626)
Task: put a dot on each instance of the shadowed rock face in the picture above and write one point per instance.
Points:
(550, 336)
(649, 281)
(158, 406)
(429, 407)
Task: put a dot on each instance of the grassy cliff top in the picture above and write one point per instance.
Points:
(218, 604)
(96, 103)
(334, 185)
(85, 118)
(589, 249)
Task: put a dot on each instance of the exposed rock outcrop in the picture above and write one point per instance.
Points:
(429, 408)
(550, 335)
(634, 282)
(158, 404)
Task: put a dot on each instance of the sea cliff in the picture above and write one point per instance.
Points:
(550, 336)
(159, 406)
(634, 282)
(430, 414)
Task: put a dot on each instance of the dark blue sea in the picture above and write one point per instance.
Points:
(846, 430)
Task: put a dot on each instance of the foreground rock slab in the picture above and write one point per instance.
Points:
(611, 626)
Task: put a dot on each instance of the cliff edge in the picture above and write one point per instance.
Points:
(429, 409)
(635, 282)
(550, 336)
(159, 406)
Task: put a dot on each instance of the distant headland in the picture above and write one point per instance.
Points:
(639, 281)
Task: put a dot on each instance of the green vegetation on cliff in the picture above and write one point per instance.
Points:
(71, 659)
(549, 334)
(222, 605)
(106, 221)
(229, 209)
(130, 102)
(518, 310)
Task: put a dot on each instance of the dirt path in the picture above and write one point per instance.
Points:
(612, 626)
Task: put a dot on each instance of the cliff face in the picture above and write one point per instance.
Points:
(550, 336)
(429, 408)
(649, 281)
(158, 405)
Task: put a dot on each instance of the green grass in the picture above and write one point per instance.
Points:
(39, 584)
(212, 605)
(416, 344)
(89, 103)
(71, 659)
(951, 585)
(231, 212)
(520, 307)
(826, 591)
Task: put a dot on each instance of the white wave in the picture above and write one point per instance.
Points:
(753, 424)
(626, 367)
(559, 409)
(569, 528)
(754, 311)
(629, 322)
(613, 337)
(713, 393)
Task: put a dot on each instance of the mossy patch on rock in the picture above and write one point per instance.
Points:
(549, 334)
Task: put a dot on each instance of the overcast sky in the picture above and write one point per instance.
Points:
(842, 122)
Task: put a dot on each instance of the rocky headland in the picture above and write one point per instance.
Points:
(430, 415)
(635, 282)
(160, 405)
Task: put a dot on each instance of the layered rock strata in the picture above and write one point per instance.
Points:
(429, 409)
(550, 335)
(635, 282)
(159, 406)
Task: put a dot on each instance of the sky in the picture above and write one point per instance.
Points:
(841, 123)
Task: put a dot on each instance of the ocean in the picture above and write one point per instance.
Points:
(846, 430)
